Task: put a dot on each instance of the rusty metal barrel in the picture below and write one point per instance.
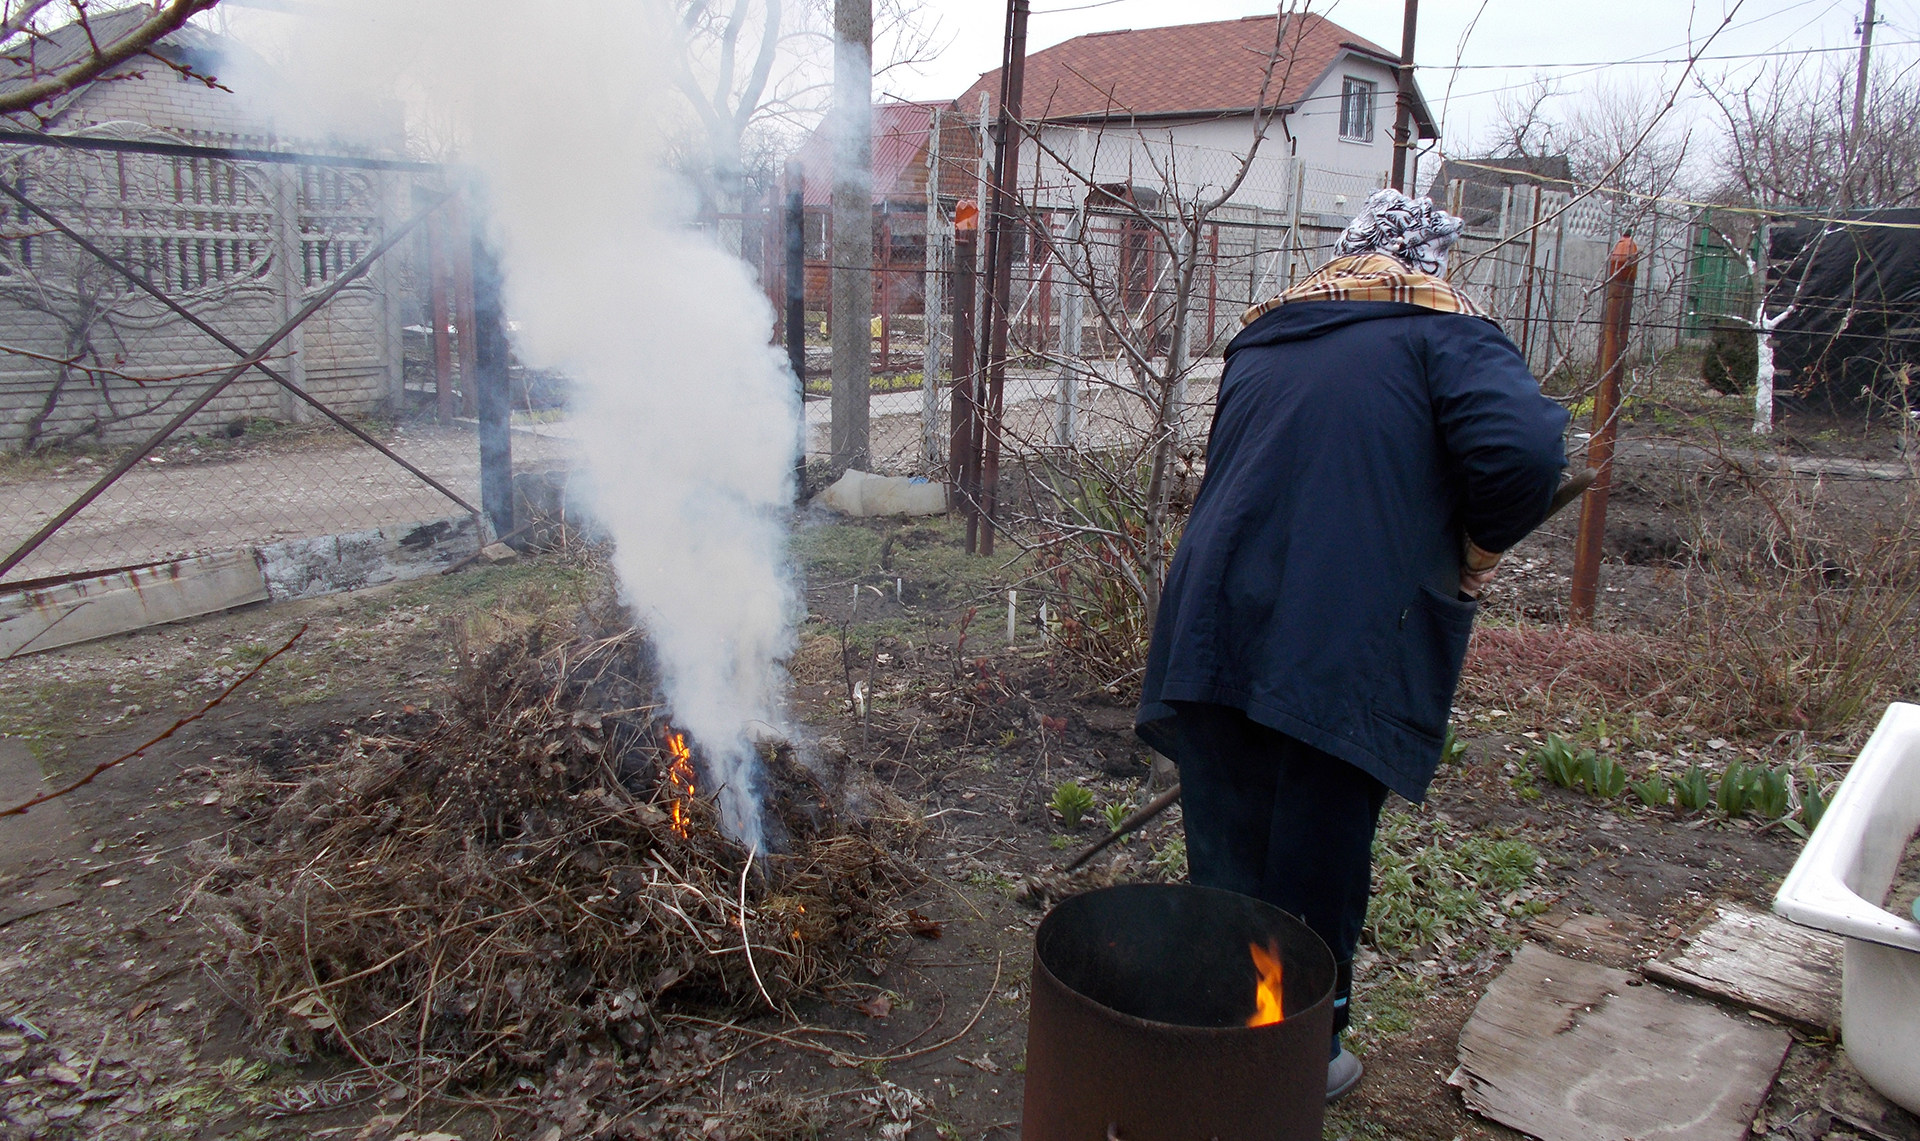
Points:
(1138, 1028)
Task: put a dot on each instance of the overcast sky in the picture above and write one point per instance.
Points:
(1536, 33)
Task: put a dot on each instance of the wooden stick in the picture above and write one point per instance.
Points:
(1141, 816)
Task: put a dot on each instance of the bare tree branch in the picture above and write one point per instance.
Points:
(102, 57)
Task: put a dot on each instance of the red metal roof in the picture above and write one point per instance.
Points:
(1187, 69)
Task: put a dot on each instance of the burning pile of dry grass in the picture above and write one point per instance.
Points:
(490, 887)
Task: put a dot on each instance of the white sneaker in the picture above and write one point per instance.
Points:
(1343, 1073)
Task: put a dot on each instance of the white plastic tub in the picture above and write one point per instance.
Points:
(1836, 885)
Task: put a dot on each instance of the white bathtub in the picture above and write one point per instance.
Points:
(1836, 885)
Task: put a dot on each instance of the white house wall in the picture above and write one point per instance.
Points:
(1201, 156)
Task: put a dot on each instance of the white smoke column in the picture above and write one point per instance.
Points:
(687, 418)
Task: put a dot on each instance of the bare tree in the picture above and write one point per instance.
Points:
(33, 72)
(1107, 518)
(1786, 137)
(754, 72)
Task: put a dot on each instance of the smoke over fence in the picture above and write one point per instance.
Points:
(686, 418)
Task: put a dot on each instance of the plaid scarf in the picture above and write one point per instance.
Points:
(1371, 277)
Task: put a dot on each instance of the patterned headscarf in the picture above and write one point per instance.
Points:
(1410, 229)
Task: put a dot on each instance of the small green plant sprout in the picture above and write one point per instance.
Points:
(1771, 792)
(1813, 803)
(1073, 803)
(1561, 763)
(1654, 792)
(1171, 857)
(1453, 750)
(1116, 814)
(1692, 792)
(1603, 777)
(1732, 794)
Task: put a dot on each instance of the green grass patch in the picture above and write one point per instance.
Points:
(1435, 885)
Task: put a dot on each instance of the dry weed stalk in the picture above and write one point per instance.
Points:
(485, 890)
(1803, 618)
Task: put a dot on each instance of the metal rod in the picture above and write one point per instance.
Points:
(250, 360)
(259, 366)
(231, 154)
(1622, 268)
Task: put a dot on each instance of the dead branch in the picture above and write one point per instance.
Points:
(21, 808)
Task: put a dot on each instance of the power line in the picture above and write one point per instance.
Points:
(1648, 62)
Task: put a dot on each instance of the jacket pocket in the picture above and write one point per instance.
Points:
(1421, 672)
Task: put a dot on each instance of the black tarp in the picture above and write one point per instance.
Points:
(1855, 288)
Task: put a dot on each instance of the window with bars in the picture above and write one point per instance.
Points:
(1356, 110)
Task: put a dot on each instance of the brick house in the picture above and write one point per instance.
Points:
(241, 244)
(902, 133)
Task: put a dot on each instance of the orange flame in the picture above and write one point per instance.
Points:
(680, 779)
(1266, 994)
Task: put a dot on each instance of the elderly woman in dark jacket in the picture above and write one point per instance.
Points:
(1377, 444)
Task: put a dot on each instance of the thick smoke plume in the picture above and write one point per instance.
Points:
(687, 418)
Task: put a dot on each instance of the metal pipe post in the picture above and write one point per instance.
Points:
(796, 308)
(490, 389)
(1622, 269)
(462, 265)
(437, 289)
(962, 458)
(1006, 182)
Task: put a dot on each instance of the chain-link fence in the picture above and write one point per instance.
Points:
(1102, 274)
(141, 272)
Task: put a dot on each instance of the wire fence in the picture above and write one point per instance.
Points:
(1096, 288)
(138, 268)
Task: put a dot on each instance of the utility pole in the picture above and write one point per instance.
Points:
(1403, 113)
(852, 268)
(1005, 222)
(1622, 268)
(1859, 104)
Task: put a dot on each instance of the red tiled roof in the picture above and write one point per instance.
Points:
(1181, 70)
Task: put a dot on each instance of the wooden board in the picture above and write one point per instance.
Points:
(1577, 933)
(1762, 962)
(1572, 1051)
(108, 604)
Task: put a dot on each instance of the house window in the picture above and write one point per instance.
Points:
(1356, 110)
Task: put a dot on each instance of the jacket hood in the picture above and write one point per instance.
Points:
(1305, 320)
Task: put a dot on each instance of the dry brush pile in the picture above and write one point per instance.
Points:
(486, 889)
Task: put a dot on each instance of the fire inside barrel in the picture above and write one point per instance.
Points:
(1266, 993)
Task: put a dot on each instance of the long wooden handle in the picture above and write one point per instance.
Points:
(1144, 813)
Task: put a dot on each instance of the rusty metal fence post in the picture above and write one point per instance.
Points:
(1622, 269)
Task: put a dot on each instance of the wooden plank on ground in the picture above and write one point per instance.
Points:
(1572, 1051)
(80, 611)
(1760, 961)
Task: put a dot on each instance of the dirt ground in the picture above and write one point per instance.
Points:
(116, 1020)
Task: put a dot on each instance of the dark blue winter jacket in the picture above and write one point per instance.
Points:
(1316, 586)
